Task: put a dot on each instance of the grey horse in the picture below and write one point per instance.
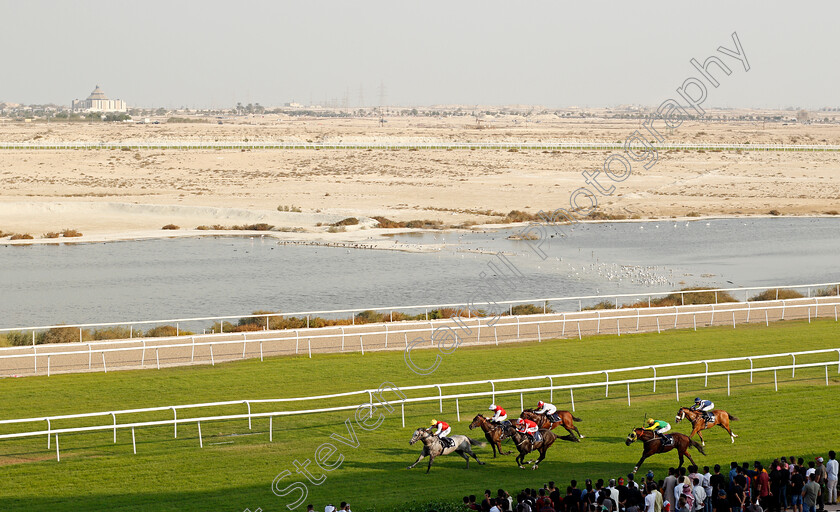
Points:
(432, 447)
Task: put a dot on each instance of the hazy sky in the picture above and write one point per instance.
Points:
(216, 53)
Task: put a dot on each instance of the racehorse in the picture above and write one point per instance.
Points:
(567, 420)
(494, 433)
(525, 445)
(698, 422)
(653, 445)
(432, 447)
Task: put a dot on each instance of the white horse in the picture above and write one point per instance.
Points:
(432, 447)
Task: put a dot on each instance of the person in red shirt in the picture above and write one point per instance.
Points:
(499, 416)
(442, 429)
(527, 427)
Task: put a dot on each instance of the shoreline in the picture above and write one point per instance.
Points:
(368, 238)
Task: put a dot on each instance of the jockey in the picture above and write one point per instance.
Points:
(547, 409)
(658, 427)
(499, 416)
(443, 430)
(526, 427)
(704, 406)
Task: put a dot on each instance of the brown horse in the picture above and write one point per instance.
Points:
(494, 433)
(567, 421)
(525, 445)
(698, 422)
(653, 445)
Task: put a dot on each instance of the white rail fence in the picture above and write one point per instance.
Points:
(809, 289)
(566, 145)
(205, 349)
(51, 432)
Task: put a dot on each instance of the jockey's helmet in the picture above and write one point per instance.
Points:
(540, 404)
(520, 421)
(697, 400)
(492, 407)
(651, 421)
(434, 422)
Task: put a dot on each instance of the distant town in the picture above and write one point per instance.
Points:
(98, 107)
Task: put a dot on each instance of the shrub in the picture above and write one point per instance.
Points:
(832, 212)
(529, 309)
(70, 233)
(52, 234)
(349, 221)
(369, 317)
(675, 298)
(336, 229)
(775, 212)
(19, 338)
(604, 304)
(424, 224)
(520, 216)
(61, 335)
(112, 333)
(774, 293)
(171, 226)
(388, 223)
(163, 331)
(829, 291)
(692, 214)
(262, 226)
(203, 228)
(19, 236)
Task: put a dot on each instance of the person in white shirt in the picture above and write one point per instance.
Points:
(650, 500)
(831, 468)
(613, 490)
(699, 495)
(495, 507)
(707, 486)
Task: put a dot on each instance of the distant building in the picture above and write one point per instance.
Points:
(98, 102)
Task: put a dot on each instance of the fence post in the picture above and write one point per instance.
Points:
(175, 421)
(142, 357)
(580, 337)
(638, 317)
(361, 344)
(113, 415)
(677, 386)
(440, 394)
(793, 366)
(104, 366)
(767, 317)
(261, 352)
(695, 321)
(749, 310)
(309, 342)
(192, 358)
(517, 326)
(733, 319)
(751, 369)
(654, 378)
(607, 384)
(212, 359)
(657, 325)
(402, 410)
(478, 334)
(706, 383)
(521, 403)
(496, 335)
(783, 309)
(48, 365)
(247, 403)
(49, 428)
(572, 395)
(133, 441)
(80, 334)
(386, 331)
(271, 429)
(628, 394)
(826, 375)
(493, 391)
(712, 321)
(676, 315)
(200, 441)
(35, 353)
(598, 328)
(57, 454)
(727, 384)
(458, 407)
(776, 379)
(539, 334)
(342, 339)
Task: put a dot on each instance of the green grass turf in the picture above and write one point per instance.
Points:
(175, 474)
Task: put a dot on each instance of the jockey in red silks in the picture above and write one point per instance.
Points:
(526, 427)
(499, 416)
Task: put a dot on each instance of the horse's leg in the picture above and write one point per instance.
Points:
(687, 455)
(702, 441)
(680, 452)
(422, 454)
(493, 443)
(472, 453)
(639, 464)
(465, 456)
(578, 431)
(726, 427)
(431, 459)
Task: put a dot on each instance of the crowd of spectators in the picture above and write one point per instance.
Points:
(786, 483)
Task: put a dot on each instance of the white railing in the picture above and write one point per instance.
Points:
(467, 308)
(519, 328)
(291, 145)
(440, 397)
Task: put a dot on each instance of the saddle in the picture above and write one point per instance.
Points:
(447, 442)
(536, 437)
(667, 439)
(709, 417)
(554, 417)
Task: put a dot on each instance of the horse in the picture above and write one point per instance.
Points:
(525, 445)
(494, 433)
(653, 445)
(699, 423)
(433, 446)
(567, 420)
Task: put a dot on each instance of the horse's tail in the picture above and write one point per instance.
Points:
(695, 444)
(575, 418)
(731, 417)
(473, 442)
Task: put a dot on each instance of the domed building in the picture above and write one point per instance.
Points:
(98, 102)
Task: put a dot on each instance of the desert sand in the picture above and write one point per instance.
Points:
(112, 193)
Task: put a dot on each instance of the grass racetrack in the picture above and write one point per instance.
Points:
(236, 467)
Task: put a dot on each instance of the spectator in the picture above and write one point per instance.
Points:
(571, 503)
(541, 500)
(310, 508)
(762, 485)
(345, 506)
(329, 508)
(797, 482)
(467, 502)
(706, 482)
(737, 496)
(682, 506)
(522, 504)
(775, 477)
(831, 468)
(811, 469)
(613, 492)
(670, 483)
(604, 503)
(554, 496)
(721, 500)
(699, 494)
(810, 494)
(485, 504)
(494, 507)
(650, 499)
